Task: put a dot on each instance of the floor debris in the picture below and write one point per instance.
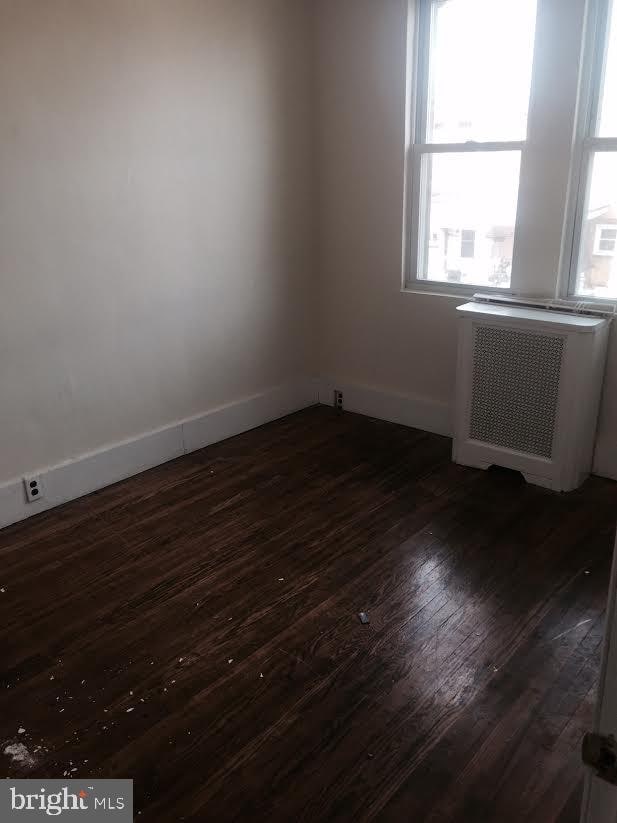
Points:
(363, 617)
(19, 754)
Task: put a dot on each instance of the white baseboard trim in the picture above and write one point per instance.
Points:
(94, 471)
(421, 413)
(407, 409)
(90, 472)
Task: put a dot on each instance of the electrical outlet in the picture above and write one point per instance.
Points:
(338, 400)
(34, 488)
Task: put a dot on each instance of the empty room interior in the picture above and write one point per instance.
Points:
(308, 410)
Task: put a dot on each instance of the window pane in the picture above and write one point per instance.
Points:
(607, 126)
(471, 203)
(597, 270)
(468, 243)
(480, 70)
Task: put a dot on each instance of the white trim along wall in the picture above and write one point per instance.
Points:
(90, 472)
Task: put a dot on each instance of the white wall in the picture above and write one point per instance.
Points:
(155, 215)
(371, 333)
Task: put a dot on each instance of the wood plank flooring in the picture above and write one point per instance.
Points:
(217, 597)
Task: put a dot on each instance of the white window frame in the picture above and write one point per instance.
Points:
(418, 84)
(587, 143)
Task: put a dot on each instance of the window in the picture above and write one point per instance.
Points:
(511, 172)
(594, 262)
(468, 243)
(606, 236)
(473, 79)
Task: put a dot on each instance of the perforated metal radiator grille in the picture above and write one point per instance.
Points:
(515, 389)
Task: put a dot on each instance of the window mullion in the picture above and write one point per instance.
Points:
(547, 159)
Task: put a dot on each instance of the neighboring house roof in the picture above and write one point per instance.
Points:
(604, 214)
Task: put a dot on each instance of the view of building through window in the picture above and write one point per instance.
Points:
(472, 194)
(598, 256)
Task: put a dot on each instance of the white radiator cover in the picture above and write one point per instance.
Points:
(528, 391)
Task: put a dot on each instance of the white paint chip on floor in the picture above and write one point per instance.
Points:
(19, 754)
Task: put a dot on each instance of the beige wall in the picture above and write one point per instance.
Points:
(371, 333)
(155, 207)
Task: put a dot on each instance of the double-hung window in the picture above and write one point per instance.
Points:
(472, 81)
(594, 246)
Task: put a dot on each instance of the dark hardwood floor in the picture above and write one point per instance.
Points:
(217, 598)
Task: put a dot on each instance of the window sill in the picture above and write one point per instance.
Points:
(429, 293)
(452, 291)
(607, 308)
